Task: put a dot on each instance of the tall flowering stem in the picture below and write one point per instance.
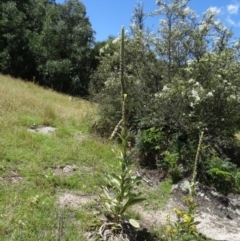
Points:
(193, 183)
(124, 99)
(122, 194)
(122, 59)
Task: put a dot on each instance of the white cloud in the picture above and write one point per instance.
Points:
(233, 8)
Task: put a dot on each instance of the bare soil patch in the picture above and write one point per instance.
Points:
(81, 137)
(152, 177)
(13, 179)
(47, 130)
(74, 200)
(219, 215)
(69, 169)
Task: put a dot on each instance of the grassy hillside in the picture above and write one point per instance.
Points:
(29, 185)
(38, 172)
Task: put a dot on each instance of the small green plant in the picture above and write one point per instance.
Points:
(171, 160)
(117, 200)
(149, 145)
(185, 226)
(119, 193)
(151, 138)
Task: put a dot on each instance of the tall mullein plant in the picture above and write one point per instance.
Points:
(119, 193)
(124, 98)
(194, 177)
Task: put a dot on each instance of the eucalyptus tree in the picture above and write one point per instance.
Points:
(138, 18)
(63, 48)
(176, 22)
(15, 28)
(182, 37)
(46, 41)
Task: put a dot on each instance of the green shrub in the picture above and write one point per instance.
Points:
(149, 146)
(104, 86)
(222, 174)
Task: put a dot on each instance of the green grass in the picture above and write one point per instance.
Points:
(29, 207)
(158, 196)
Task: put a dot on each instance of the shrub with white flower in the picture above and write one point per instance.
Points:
(181, 80)
(210, 96)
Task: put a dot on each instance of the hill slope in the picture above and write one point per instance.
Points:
(36, 168)
(49, 181)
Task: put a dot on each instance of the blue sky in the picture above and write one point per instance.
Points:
(107, 16)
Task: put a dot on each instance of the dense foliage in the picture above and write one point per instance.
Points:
(180, 81)
(48, 42)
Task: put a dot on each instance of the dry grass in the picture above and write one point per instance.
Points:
(18, 97)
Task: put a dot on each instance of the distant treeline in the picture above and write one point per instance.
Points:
(46, 42)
